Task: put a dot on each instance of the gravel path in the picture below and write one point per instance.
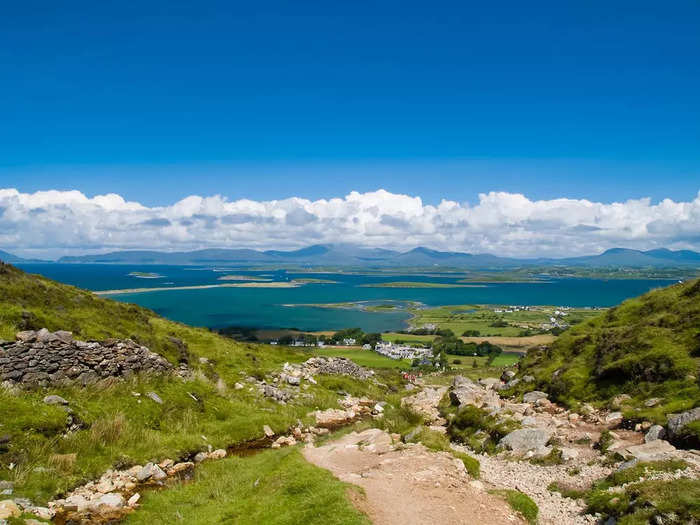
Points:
(533, 481)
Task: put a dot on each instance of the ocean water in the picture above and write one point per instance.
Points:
(270, 307)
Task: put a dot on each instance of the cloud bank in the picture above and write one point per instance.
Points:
(54, 223)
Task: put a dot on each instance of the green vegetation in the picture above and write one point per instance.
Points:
(118, 424)
(366, 358)
(630, 501)
(474, 426)
(647, 347)
(485, 320)
(275, 486)
(521, 503)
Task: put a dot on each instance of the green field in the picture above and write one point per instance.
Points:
(466, 362)
(364, 357)
(119, 424)
(487, 322)
(274, 486)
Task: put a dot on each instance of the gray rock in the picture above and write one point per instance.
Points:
(655, 432)
(652, 451)
(294, 381)
(55, 400)
(489, 382)
(111, 500)
(507, 375)
(64, 336)
(44, 336)
(613, 417)
(567, 454)
(528, 379)
(627, 465)
(26, 336)
(44, 358)
(155, 397)
(200, 456)
(268, 431)
(652, 402)
(532, 397)
(676, 422)
(526, 439)
(150, 471)
(459, 381)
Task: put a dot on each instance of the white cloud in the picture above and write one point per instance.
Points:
(53, 223)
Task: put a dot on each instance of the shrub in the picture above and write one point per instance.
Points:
(521, 503)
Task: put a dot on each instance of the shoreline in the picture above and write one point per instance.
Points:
(199, 287)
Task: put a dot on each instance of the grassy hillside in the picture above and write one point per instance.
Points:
(120, 425)
(647, 347)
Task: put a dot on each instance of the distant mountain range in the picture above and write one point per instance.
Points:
(346, 255)
(13, 259)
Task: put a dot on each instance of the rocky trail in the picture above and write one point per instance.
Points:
(403, 482)
(408, 484)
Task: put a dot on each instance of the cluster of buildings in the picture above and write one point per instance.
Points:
(395, 351)
(556, 321)
(511, 309)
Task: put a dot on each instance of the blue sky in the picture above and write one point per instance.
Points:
(263, 100)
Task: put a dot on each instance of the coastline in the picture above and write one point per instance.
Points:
(198, 287)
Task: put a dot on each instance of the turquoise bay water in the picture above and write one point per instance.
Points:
(268, 307)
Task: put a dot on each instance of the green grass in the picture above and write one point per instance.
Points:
(396, 336)
(366, 358)
(120, 428)
(482, 318)
(647, 347)
(474, 427)
(275, 486)
(520, 503)
(641, 501)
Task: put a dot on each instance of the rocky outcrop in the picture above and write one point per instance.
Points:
(43, 357)
(334, 366)
(524, 440)
(286, 385)
(676, 422)
(465, 392)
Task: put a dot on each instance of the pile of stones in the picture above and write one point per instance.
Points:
(43, 357)
(335, 366)
(285, 385)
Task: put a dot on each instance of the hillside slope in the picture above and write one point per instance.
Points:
(648, 347)
(116, 423)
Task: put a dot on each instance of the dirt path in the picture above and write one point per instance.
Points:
(408, 484)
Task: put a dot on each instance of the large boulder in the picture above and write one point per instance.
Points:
(526, 440)
(334, 417)
(676, 422)
(534, 396)
(653, 451)
(9, 509)
(654, 433)
(55, 400)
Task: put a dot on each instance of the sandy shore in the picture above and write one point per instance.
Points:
(198, 287)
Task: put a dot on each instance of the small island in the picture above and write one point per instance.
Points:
(146, 275)
(420, 284)
(242, 278)
(308, 280)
